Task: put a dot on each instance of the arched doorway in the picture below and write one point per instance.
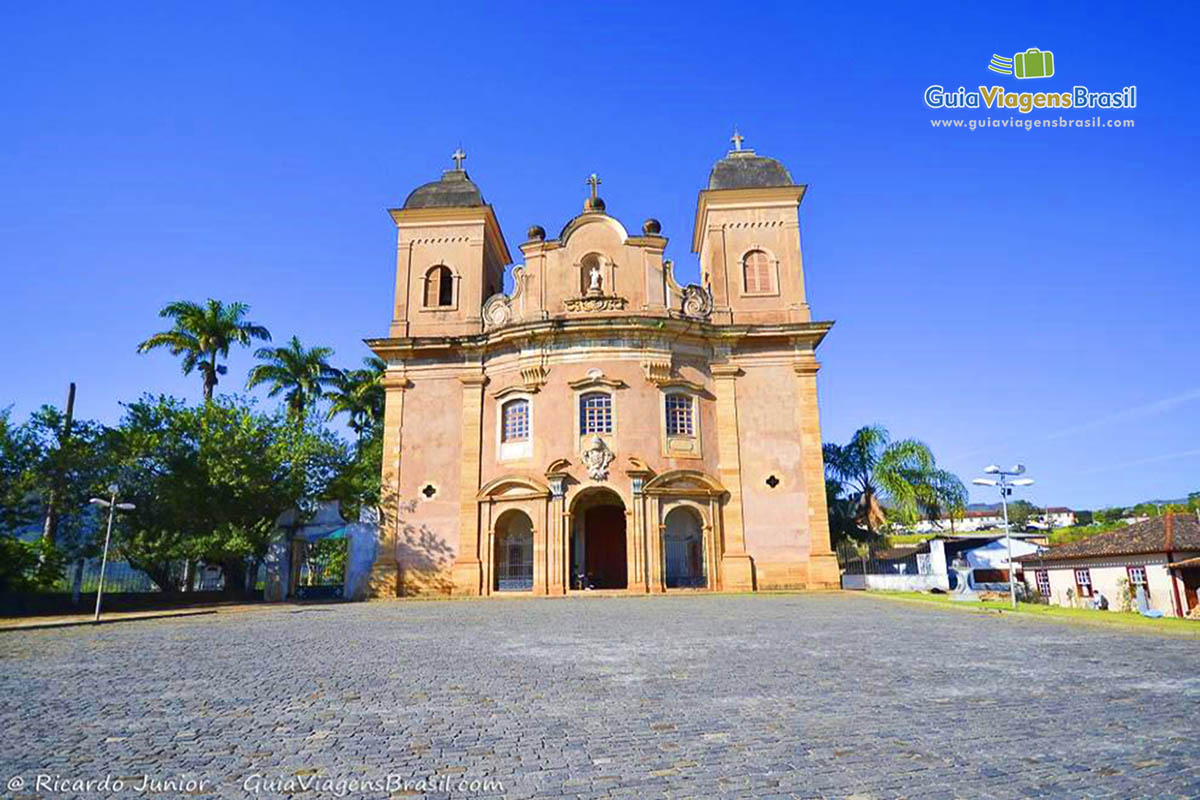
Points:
(598, 549)
(513, 568)
(683, 549)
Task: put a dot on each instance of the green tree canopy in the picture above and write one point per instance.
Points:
(211, 481)
(302, 375)
(875, 473)
(202, 334)
(358, 393)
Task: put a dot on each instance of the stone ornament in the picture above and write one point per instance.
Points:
(597, 303)
(596, 459)
(497, 311)
(697, 302)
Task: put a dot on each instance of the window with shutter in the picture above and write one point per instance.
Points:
(756, 273)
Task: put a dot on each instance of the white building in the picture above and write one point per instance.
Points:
(1074, 574)
(971, 521)
(988, 519)
(1054, 517)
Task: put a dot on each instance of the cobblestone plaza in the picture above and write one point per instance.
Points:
(681, 696)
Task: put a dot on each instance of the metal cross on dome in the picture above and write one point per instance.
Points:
(736, 139)
(593, 181)
(459, 156)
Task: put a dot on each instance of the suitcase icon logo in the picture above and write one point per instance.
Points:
(1033, 63)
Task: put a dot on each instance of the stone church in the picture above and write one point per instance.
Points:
(600, 427)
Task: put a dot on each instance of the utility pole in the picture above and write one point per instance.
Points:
(50, 527)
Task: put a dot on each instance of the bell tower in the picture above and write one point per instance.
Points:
(748, 236)
(450, 257)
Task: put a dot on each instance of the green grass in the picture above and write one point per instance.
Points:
(894, 539)
(1107, 619)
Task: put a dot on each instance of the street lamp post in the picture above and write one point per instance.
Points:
(1005, 486)
(112, 505)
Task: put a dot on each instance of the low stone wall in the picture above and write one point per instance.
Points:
(37, 604)
(896, 583)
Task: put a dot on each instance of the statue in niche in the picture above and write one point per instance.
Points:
(594, 280)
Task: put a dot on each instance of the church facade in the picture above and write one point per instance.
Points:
(601, 427)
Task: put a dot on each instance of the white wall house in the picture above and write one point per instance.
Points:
(1073, 574)
(1056, 516)
(970, 522)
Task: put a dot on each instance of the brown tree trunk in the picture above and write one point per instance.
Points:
(210, 378)
(50, 528)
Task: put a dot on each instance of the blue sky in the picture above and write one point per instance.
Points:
(1003, 295)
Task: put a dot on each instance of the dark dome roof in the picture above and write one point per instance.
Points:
(454, 190)
(743, 169)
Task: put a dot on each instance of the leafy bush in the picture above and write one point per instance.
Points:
(28, 566)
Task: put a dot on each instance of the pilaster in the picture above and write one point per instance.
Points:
(636, 546)
(737, 568)
(385, 580)
(557, 558)
(822, 563)
(467, 572)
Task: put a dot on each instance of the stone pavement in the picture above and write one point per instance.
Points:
(680, 696)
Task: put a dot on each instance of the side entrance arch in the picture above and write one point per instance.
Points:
(683, 550)
(513, 553)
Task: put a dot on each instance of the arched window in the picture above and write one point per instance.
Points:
(516, 421)
(439, 287)
(595, 413)
(756, 273)
(679, 415)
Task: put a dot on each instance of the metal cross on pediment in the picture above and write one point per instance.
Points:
(459, 156)
(736, 139)
(593, 181)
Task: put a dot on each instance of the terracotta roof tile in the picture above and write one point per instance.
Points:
(1163, 534)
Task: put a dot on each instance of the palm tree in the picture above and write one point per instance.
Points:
(358, 393)
(902, 476)
(302, 374)
(204, 333)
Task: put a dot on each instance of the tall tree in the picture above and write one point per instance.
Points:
(210, 482)
(19, 452)
(875, 472)
(203, 334)
(1020, 512)
(301, 375)
(358, 393)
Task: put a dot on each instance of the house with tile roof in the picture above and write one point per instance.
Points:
(1160, 554)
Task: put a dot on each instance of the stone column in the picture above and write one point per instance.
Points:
(822, 563)
(385, 580)
(557, 557)
(467, 570)
(487, 560)
(541, 545)
(737, 569)
(636, 542)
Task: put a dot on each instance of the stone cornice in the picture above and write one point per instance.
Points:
(597, 380)
(393, 381)
(725, 370)
(638, 327)
(713, 199)
(415, 217)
